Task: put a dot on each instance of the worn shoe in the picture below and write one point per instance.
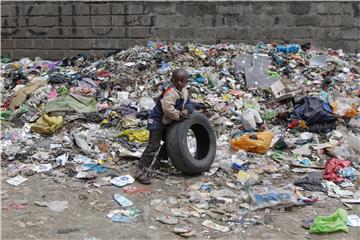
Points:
(142, 176)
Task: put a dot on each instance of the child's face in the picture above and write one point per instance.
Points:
(179, 81)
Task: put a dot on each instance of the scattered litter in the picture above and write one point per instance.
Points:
(16, 181)
(58, 206)
(167, 219)
(123, 201)
(217, 227)
(122, 180)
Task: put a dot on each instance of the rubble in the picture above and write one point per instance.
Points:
(84, 119)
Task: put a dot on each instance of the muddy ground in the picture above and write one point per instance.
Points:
(85, 218)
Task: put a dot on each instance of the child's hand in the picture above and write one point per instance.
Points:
(184, 114)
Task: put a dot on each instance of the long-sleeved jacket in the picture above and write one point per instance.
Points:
(168, 107)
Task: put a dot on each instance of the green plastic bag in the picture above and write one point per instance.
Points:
(71, 102)
(328, 224)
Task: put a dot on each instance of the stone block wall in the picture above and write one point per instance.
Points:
(59, 29)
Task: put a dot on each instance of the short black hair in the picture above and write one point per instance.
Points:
(178, 72)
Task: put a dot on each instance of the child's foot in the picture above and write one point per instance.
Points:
(142, 176)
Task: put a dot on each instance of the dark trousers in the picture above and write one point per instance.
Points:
(152, 149)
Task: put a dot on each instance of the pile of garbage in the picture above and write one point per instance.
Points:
(280, 112)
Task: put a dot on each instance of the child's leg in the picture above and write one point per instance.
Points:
(152, 148)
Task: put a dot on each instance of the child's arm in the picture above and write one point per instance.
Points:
(168, 106)
(189, 106)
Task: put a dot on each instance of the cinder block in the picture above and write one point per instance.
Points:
(184, 32)
(101, 20)
(197, 9)
(126, 43)
(7, 44)
(275, 8)
(214, 20)
(165, 8)
(73, 21)
(27, 21)
(205, 33)
(348, 20)
(66, 9)
(284, 20)
(10, 9)
(64, 32)
(41, 44)
(21, 53)
(232, 33)
(169, 21)
(117, 8)
(329, 8)
(161, 32)
(329, 20)
(9, 22)
(81, 43)
(261, 21)
(117, 32)
(61, 43)
(104, 43)
(99, 32)
(351, 33)
(299, 8)
(231, 19)
(328, 33)
(46, 21)
(5, 10)
(300, 32)
(98, 8)
(132, 8)
(50, 9)
(141, 20)
(257, 8)
(35, 9)
(306, 20)
(56, 54)
(23, 43)
(118, 20)
(35, 32)
(138, 32)
(81, 8)
(239, 8)
(352, 46)
(7, 33)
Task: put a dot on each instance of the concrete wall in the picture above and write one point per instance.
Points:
(58, 29)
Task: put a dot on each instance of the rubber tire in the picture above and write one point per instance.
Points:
(176, 144)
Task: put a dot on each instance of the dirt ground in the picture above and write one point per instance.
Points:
(85, 218)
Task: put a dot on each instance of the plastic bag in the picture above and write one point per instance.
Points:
(263, 197)
(260, 143)
(146, 103)
(139, 135)
(333, 223)
(47, 125)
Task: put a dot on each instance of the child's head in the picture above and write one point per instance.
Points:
(179, 78)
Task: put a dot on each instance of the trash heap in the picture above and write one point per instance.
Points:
(286, 117)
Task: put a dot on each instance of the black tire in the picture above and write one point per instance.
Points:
(176, 144)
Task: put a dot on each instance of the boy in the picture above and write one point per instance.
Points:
(173, 105)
